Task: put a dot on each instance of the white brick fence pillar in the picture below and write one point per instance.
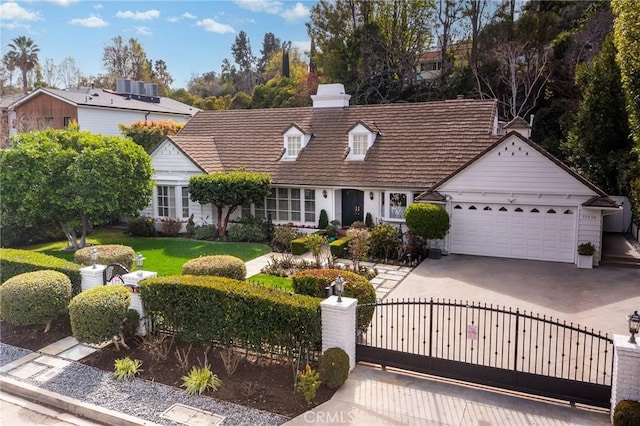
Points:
(625, 382)
(339, 326)
(92, 276)
(132, 281)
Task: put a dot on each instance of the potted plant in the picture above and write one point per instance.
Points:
(585, 255)
(430, 221)
(332, 230)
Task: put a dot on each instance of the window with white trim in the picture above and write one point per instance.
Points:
(360, 144)
(166, 201)
(185, 201)
(285, 205)
(310, 205)
(294, 145)
(397, 205)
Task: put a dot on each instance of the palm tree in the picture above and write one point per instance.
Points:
(23, 55)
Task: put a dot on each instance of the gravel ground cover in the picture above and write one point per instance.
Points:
(137, 397)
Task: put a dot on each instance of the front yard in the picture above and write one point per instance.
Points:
(163, 255)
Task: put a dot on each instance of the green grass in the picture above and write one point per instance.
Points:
(272, 281)
(163, 255)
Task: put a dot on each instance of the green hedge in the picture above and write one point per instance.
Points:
(107, 254)
(338, 246)
(219, 265)
(96, 315)
(35, 297)
(313, 282)
(298, 246)
(15, 262)
(207, 309)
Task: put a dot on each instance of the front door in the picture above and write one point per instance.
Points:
(352, 206)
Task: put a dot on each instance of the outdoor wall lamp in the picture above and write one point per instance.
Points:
(324, 193)
(634, 326)
(94, 256)
(338, 286)
(371, 195)
(139, 262)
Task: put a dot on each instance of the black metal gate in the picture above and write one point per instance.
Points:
(491, 346)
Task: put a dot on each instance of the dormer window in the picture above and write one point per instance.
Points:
(295, 139)
(361, 138)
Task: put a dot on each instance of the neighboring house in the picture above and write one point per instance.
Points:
(95, 110)
(6, 115)
(429, 66)
(506, 196)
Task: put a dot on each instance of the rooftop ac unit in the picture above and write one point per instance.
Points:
(123, 86)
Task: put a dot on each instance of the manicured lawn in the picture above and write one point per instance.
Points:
(163, 255)
(272, 281)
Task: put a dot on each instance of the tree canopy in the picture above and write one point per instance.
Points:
(229, 190)
(23, 56)
(76, 179)
(148, 134)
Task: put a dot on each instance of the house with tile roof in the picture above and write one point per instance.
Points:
(506, 196)
(95, 110)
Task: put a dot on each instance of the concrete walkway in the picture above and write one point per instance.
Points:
(374, 397)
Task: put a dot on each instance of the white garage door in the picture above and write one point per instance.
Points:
(517, 231)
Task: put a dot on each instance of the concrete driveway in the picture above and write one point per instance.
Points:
(599, 298)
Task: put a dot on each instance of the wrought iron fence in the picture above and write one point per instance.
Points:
(444, 334)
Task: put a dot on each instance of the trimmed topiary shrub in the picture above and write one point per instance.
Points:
(97, 314)
(626, 413)
(368, 220)
(35, 298)
(313, 282)
(323, 221)
(221, 266)
(340, 247)
(299, 245)
(205, 309)
(247, 232)
(15, 262)
(109, 253)
(334, 368)
(141, 227)
(427, 220)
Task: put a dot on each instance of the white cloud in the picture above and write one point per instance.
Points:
(63, 3)
(212, 26)
(98, 6)
(12, 11)
(90, 22)
(143, 31)
(268, 6)
(140, 16)
(173, 19)
(296, 13)
(187, 15)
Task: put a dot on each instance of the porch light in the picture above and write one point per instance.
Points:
(139, 262)
(634, 326)
(338, 286)
(371, 195)
(324, 193)
(94, 256)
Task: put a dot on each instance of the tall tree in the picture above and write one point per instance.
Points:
(126, 60)
(68, 73)
(243, 56)
(599, 144)
(24, 56)
(449, 13)
(270, 45)
(67, 176)
(371, 46)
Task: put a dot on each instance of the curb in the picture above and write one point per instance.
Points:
(70, 405)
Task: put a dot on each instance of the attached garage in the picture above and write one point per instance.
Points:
(515, 231)
(515, 200)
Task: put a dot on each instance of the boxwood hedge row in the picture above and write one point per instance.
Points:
(15, 262)
(210, 309)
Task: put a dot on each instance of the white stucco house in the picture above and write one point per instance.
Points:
(506, 196)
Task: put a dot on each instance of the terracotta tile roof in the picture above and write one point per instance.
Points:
(418, 143)
(517, 123)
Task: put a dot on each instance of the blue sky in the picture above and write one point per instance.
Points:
(192, 37)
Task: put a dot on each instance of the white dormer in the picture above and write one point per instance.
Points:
(361, 138)
(294, 139)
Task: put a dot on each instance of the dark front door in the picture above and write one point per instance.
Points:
(352, 206)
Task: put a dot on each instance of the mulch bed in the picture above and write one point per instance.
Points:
(258, 382)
